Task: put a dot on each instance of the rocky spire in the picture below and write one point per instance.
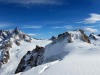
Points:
(16, 31)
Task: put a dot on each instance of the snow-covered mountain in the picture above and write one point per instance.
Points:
(7, 39)
(71, 53)
(95, 39)
(14, 44)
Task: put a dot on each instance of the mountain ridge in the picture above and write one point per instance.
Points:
(30, 53)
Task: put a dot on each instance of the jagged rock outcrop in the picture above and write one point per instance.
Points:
(92, 36)
(71, 36)
(65, 35)
(16, 31)
(7, 39)
(31, 59)
(53, 38)
(84, 37)
(5, 55)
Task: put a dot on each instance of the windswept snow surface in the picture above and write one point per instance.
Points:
(77, 58)
(82, 63)
(17, 52)
(60, 57)
(71, 65)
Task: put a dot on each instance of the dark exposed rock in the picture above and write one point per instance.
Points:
(17, 43)
(16, 31)
(6, 45)
(84, 37)
(68, 36)
(31, 59)
(91, 36)
(65, 35)
(5, 55)
(98, 34)
(53, 38)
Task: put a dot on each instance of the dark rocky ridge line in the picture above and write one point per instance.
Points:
(31, 59)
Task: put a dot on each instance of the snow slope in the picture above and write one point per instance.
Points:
(82, 60)
(17, 50)
(71, 53)
(63, 58)
(17, 53)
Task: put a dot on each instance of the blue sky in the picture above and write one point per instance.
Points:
(44, 18)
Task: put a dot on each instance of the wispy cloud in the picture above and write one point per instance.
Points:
(5, 25)
(50, 32)
(31, 27)
(32, 1)
(34, 34)
(94, 18)
(91, 30)
(64, 27)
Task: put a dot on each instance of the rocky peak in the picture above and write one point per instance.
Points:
(53, 38)
(98, 34)
(31, 59)
(16, 31)
(91, 36)
(7, 39)
(71, 36)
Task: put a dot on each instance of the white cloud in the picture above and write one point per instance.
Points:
(32, 1)
(50, 32)
(31, 27)
(91, 30)
(56, 27)
(92, 19)
(68, 27)
(5, 25)
(64, 27)
(34, 34)
(31, 34)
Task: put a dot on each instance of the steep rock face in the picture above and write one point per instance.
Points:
(31, 59)
(92, 36)
(84, 37)
(7, 39)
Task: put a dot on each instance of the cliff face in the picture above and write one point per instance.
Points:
(31, 59)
